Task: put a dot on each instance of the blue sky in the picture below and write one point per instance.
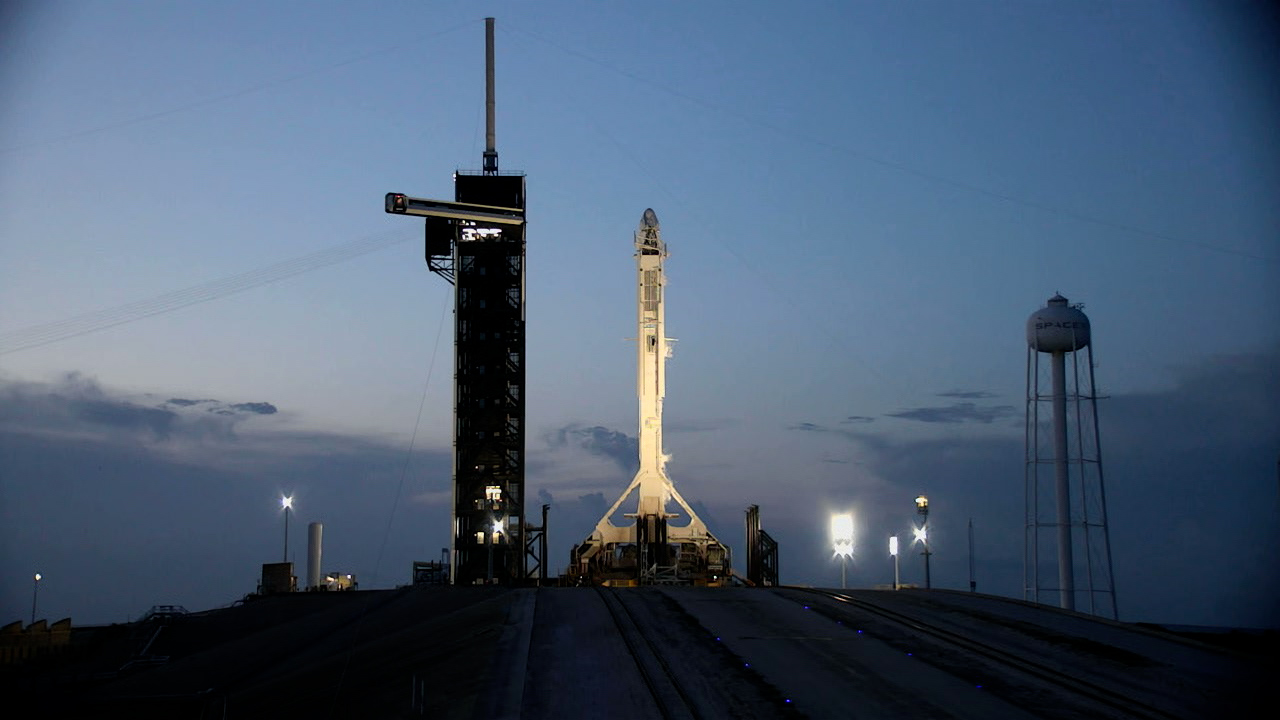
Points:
(863, 202)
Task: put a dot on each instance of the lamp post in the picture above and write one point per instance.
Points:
(490, 539)
(893, 550)
(922, 535)
(286, 502)
(35, 593)
(842, 541)
(973, 580)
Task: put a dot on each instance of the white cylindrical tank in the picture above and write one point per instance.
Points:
(314, 532)
(1058, 327)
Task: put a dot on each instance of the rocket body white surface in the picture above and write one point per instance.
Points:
(653, 348)
(652, 352)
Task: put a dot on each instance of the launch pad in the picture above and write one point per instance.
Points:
(651, 550)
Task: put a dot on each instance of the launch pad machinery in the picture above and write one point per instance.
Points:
(652, 549)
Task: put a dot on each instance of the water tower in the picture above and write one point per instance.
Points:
(1066, 508)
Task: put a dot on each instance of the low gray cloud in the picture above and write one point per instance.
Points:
(968, 394)
(258, 408)
(808, 427)
(143, 494)
(957, 413)
(601, 441)
(857, 420)
(78, 404)
(219, 408)
(120, 414)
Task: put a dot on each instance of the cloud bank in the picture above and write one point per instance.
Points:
(122, 502)
(169, 501)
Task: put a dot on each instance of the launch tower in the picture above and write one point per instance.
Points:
(651, 549)
(477, 243)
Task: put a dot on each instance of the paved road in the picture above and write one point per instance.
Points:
(871, 654)
(640, 653)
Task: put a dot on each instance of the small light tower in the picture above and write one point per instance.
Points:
(973, 581)
(842, 541)
(35, 593)
(286, 502)
(893, 550)
(1062, 434)
(922, 536)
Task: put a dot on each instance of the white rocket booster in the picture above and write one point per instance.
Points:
(651, 482)
(652, 352)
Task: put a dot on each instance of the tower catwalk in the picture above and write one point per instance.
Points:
(651, 550)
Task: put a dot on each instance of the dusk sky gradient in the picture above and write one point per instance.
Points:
(863, 202)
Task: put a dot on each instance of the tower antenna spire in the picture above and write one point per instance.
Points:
(490, 148)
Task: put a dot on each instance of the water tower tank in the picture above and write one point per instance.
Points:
(1058, 327)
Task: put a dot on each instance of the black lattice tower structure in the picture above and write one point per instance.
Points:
(477, 243)
(489, 386)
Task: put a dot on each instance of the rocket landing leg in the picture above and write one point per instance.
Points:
(651, 550)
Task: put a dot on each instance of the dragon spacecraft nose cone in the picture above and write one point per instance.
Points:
(650, 219)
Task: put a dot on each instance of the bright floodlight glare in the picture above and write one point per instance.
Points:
(38, 577)
(842, 527)
(893, 545)
(842, 533)
(922, 504)
(922, 534)
(286, 501)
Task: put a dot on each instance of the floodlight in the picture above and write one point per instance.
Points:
(893, 550)
(842, 531)
(35, 594)
(286, 502)
(922, 534)
(842, 540)
(922, 504)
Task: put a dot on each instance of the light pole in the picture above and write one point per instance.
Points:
(842, 541)
(973, 581)
(286, 502)
(35, 593)
(922, 535)
(491, 538)
(893, 550)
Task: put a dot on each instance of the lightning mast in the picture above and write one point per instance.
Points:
(651, 549)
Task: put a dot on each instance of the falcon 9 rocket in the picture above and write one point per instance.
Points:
(652, 549)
